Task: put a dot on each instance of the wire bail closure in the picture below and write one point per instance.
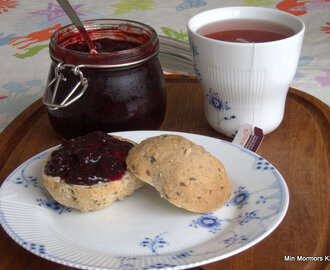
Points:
(50, 101)
(83, 82)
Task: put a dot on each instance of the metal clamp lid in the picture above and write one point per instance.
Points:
(49, 99)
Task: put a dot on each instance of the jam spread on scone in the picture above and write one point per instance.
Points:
(88, 160)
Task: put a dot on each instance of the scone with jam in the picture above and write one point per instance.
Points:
(90, 172)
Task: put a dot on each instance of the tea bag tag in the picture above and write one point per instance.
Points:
(249, 137)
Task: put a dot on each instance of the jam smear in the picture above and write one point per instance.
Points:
(103, 45)
(88, 160)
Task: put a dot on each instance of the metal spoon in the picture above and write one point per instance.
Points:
(66, 6)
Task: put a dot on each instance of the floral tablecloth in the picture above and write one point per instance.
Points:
(26, 26)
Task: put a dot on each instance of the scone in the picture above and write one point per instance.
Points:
(183, 172)
(90, 172)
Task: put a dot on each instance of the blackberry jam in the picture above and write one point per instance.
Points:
(90, 159)
(121, 87)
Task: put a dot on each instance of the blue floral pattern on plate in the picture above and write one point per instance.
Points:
(155, 243)
(53, 206)
(144, 231)
(239, 198)
(210, 222)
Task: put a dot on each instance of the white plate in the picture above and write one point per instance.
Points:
(144, 231)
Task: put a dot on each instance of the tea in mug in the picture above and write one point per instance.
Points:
(245, 30)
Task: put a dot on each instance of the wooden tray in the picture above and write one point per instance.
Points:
(299, 149)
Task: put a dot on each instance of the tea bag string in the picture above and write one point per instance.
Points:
(252, 86)
(252, 79)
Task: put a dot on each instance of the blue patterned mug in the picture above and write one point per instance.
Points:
(245, 81)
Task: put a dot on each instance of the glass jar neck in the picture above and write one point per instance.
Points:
(142, 39)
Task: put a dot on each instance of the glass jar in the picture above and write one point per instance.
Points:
(121, 87)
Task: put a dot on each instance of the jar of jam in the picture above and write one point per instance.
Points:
(121, 87)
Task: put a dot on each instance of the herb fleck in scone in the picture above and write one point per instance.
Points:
(183, 172)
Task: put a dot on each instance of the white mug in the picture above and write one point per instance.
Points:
(245, 83)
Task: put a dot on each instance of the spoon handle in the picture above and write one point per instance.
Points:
(66, 6)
